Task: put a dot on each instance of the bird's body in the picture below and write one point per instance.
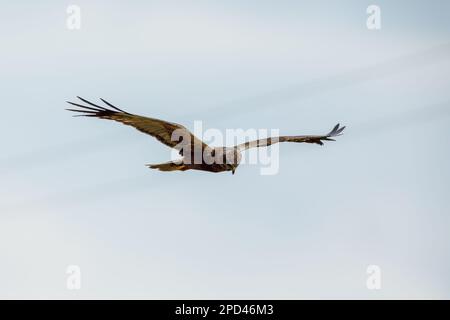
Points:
(217, 159)
(196, 155)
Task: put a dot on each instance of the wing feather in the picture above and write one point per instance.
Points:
(162, 130)
(317, 139)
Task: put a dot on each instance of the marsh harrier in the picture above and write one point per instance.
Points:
(196, 154)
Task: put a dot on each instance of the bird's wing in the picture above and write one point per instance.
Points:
(337, 131)
(161, 130)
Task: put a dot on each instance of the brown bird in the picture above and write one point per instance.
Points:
(196, 154)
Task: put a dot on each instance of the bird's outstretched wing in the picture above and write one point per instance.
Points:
(161, 130)
(337, 131)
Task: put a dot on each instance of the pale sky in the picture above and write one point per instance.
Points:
(75, 191)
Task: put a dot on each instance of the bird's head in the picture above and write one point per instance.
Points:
(232, 159)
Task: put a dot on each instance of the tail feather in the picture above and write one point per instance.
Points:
(168, 166)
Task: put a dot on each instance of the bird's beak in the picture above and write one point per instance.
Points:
(232, 170)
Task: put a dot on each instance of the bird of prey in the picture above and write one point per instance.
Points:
(196, 155)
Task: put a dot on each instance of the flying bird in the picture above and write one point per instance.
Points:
(196, 155)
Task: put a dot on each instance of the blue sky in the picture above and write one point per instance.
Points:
(76, 191)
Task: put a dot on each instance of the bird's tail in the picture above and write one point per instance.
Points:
(168, 166)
